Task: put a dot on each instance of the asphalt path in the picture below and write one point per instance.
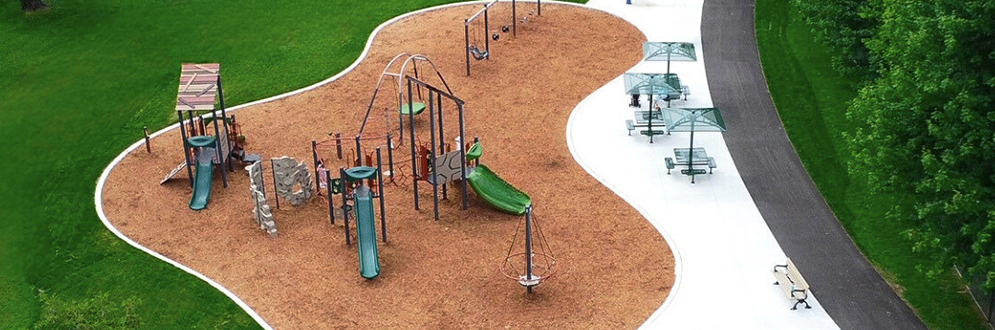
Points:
(848, 287)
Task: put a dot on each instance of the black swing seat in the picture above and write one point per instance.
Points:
(477, 53)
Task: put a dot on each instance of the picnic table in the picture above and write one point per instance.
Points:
(689, 156)
(684, 155)
(643, 117)
(642, 120)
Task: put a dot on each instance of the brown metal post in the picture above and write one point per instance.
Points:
(147, 146)
(331, 204)
(383, 208)
(338, 144)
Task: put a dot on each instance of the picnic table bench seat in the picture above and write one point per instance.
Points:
(632, 125)
(671, 164)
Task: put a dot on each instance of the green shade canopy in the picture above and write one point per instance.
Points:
(694, 120)
(669, 51)
(652, 83)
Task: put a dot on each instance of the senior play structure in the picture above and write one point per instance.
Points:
(440, 164)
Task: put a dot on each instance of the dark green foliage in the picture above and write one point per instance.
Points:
(843, 25)
(930, 127)
(33, 5)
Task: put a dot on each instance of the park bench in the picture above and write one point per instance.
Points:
(671, 164)
(792, 283)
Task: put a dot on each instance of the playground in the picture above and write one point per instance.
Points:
(615, 269)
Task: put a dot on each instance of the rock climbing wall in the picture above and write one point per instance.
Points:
(293, 180)
(261, 211)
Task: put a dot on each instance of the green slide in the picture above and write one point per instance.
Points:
(202, 180)
(369, 259)
(497, 192)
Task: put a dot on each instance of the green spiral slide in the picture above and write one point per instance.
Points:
(497, 192)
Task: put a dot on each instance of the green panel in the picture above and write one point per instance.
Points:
(497, 192)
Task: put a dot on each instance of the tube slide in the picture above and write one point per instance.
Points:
(369, 258)
(202, 179)
(497, 192)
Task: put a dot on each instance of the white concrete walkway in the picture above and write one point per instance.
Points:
(724, 249)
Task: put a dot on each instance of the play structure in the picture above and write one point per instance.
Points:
(199, 90)
(442, 165)
(477, 33)
(200, 87)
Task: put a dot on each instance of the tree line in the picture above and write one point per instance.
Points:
(924, 117)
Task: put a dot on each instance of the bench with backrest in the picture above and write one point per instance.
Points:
(792, 283)
(671, 164)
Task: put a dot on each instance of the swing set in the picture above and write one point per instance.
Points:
(477, 42)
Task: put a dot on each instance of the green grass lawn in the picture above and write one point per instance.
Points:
(812, 99)
(78, 82)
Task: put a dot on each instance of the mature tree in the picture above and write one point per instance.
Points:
(33, 5)
(843, 25)
(927, 125)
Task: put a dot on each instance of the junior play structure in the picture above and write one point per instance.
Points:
(199, 90)
(200, 87)
(437, 163)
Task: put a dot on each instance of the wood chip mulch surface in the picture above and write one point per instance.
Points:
(614, 268)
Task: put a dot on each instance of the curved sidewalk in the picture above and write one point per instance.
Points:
(724, 249)
(851, 290)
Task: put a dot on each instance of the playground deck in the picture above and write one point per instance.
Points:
(433, 274)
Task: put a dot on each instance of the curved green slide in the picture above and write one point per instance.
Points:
(369, 258)
(202, 180)
(497, 192)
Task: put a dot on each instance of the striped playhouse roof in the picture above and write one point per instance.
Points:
(198, 87)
